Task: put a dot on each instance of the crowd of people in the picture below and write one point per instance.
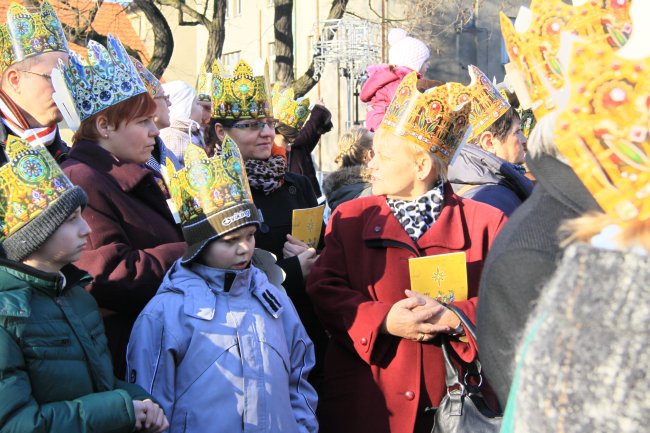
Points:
(150, 279)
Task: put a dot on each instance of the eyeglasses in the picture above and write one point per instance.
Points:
(257, 126)
(46, 76)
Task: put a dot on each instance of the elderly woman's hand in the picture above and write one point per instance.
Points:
(447, 317)
(416, 318)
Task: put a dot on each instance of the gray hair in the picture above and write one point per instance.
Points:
(541, 140)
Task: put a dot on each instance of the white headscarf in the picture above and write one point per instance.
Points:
(181, 96)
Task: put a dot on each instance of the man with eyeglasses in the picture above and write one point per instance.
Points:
(28, 53)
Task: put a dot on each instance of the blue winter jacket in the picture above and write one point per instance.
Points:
(224, 351)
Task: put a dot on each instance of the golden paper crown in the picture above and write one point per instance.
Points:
(204, 83)
(434, 120)
(603, 130)
(240, 95)
(30, 181)
(212, 195)
(488, 104)
(30, 34)
(534, 52)
(292, 112)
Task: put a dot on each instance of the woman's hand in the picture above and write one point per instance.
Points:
(307, 259)
(416, 318)
(149, 417)
(447, 317)
(293, 247)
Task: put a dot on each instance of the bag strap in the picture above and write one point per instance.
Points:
(470, 328)
(451, 373)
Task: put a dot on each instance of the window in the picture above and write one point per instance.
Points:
(227, 9)
(231, 59)
(270, 55)
(238, 7)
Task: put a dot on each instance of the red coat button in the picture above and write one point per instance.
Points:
(364, 341)
(410, 395)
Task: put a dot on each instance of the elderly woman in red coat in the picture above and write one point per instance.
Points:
(384, 365)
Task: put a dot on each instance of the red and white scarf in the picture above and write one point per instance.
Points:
(13, 119)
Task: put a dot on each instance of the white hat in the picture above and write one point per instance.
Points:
(405, 50)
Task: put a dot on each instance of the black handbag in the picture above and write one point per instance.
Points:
(463, 409)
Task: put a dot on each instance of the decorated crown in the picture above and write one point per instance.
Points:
(488, 104)
(240, 95)
(533, 43)
(204, 83)
(292, 112)
(30, 182)
(30, 34)
(151, 83)
(436, 120)
(603, 130)
(84, 88)
(212, 195)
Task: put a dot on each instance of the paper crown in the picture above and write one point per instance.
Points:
(240, 95)
(151, 83)
(437, 120)
(292, 112)
(30, 182)
(533, 43)
(212, 195)
(488, 104)
(84, 88)
(204, 83)
(603, 130)
(29, 34)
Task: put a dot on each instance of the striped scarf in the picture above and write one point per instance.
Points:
(14, 120)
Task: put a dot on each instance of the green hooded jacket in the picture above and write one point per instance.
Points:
(55, 367)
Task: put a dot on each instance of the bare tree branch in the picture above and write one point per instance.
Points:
(183, 8)
(163, 45)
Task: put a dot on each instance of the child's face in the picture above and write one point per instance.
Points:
(232, 251)
(64, 246)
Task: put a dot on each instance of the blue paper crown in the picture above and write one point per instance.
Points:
(107, 78)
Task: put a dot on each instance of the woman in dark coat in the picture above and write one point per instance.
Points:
(276, 191)
(134, 238)
(352, 179)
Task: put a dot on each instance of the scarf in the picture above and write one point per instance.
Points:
(417, 216)
(14, 120)
(519, 168)
(266, 175)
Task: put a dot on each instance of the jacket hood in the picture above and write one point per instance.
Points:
(475, 166)
(345, 176)
(379, 76)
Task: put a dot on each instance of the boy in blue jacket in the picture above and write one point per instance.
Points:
(220, 347)
(55, 368)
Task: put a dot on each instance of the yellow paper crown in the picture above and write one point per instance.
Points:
(240, 95)
(288, 110)
(534, 52)
(488, 104)
(204, 83)
(434, 120)
(30, 181)
(30, 34)
(603, 130)
(212, 195)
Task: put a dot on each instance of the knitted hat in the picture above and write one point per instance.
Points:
(35, 198)
(30, 237)
(406, 51)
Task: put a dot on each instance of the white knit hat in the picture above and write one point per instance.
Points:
(405, 50)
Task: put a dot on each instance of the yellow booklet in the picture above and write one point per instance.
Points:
(442, 277)
(307, 224)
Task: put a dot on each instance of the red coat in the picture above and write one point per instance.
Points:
(134, 238)
(376, 382)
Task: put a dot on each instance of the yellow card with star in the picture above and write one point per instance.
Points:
(442, 277)
(307, 224)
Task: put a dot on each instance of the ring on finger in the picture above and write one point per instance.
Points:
(421, 337)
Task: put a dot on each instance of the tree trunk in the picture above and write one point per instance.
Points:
(283, 41)
(163, 38)
(216, 32)
(305, 83)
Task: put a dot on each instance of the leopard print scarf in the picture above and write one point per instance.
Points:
(267, 175)
(418, 215)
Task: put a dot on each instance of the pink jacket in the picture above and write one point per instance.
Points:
(378, 90)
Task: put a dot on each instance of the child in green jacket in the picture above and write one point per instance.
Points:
(55, 367)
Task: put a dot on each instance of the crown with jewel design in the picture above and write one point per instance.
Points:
(204, 83)
(106, 78)
(151, 83)
(244, 94)
(292, 112)
(29, 34)
(30, 182)
(533, 43)
(212, 195)
(488, 104)
(436, 120)
(603, 130)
